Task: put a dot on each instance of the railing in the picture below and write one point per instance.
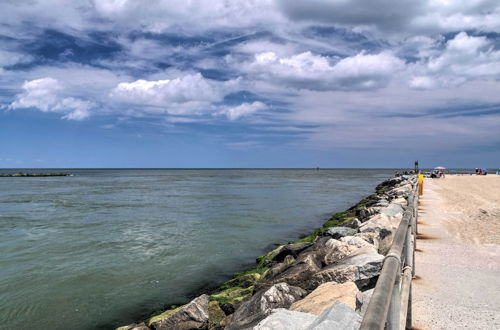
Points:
(390, 305)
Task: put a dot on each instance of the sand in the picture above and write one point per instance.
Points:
(458, 254)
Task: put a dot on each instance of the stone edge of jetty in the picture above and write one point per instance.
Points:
(324, 280)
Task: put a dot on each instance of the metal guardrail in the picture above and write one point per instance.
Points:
(390, 305)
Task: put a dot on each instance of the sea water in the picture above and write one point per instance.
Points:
(107, 247)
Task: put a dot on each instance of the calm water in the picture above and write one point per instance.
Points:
(105, 247)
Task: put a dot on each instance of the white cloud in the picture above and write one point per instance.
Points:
(45, 95)
(464, 44)
(397, 117)
(78, 109)
(189, 94)
(464, 58)
(242, 110)
(310, 71)
(422, 82)
(341, 83)
(39, 93)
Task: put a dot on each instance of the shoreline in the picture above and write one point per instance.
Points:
(241, 286)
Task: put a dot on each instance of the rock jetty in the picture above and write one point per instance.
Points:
(24, 175)
(322, 281)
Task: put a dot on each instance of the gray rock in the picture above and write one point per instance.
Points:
(362, 301)
(365, 213)
(339, 249)
(354, 223)
(291, 249)
(384, 227)
(392, 210)
(190, 316)
(382, 202)
(356, 242)
(339, 316)
(285, 319)
(279, 268)
(250, 312)
(336, 250)
(338, 232)
(318, 245)
(363, 264)
(298, 274)
(370, 238)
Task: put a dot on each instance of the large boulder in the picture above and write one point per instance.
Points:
(362, 301)
(401, 201)
(371, 238)
(354, 223)
(361, 265)
(215, 316)
(393, 210)
(187, 317)
(335, 251)
(365, 213)
(339, 231)
(291, 249)
(384, 227)
(284, 319)
(339, 249)
(298, 274)
(325, 296)
(252, 311)
(338, 316)
(278, 268)
(400, 192)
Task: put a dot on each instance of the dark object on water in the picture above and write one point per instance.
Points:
(24, 175)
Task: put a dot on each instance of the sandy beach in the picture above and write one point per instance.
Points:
(458, 254)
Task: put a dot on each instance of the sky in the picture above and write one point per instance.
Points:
(249, 83)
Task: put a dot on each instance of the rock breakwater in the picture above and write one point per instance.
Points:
(26, 175)
(323, 280)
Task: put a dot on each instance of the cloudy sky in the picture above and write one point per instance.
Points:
(249, 83)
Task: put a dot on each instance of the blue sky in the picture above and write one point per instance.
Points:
(253, 83)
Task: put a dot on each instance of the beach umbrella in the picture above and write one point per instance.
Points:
(439, 168)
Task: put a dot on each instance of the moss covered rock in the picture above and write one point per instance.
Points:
(266, 259)
(190, 316)
(233, 296)
(134, 326)
(244, 280)
(215, 316)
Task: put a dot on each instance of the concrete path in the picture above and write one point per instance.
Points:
(458, 256)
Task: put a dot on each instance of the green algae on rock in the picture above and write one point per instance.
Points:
(233, 296)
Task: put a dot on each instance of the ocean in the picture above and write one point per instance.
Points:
(106, 247)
